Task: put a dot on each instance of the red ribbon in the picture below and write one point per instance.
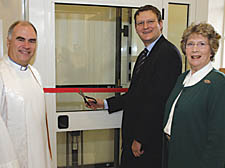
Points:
(88, 90)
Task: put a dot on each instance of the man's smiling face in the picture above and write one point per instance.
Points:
(148, 27)
(22, 44)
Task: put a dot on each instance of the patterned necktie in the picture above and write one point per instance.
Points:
(141, 59)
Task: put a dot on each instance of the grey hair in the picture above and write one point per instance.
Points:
(11, 28)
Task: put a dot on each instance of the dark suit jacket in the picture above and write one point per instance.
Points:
(143, 104)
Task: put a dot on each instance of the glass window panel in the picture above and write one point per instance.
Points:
(85, 37)
(74, 102)
(89, 148)
(177, 23)
(125, 40)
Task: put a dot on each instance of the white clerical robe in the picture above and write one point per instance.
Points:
(23, 112)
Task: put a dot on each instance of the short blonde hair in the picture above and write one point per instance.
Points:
(206, 30)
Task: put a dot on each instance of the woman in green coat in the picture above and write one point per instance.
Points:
(194, 121)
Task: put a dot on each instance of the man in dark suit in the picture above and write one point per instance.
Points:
(153, 78)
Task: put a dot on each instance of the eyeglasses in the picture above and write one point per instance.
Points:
(200, 44)
(148, 22)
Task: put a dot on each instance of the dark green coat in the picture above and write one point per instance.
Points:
(198, 128)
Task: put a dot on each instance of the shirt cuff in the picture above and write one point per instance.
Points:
(106, 105)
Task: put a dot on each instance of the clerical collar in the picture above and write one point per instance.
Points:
(192, 79)
(18, 66)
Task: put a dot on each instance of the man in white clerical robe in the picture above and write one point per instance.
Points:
(24, 141)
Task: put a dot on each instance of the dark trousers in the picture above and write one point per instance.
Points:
(146, 160)
(165, 152)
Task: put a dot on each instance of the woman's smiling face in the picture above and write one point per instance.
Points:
(198, 51)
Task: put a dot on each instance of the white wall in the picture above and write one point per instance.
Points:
(10, 11)
(201, 10)
(1, 38)
(216, 16)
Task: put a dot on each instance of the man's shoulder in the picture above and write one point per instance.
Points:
(169, 44)
(165, 45)
(166, 48)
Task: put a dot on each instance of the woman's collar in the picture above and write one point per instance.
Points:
(192, 79)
